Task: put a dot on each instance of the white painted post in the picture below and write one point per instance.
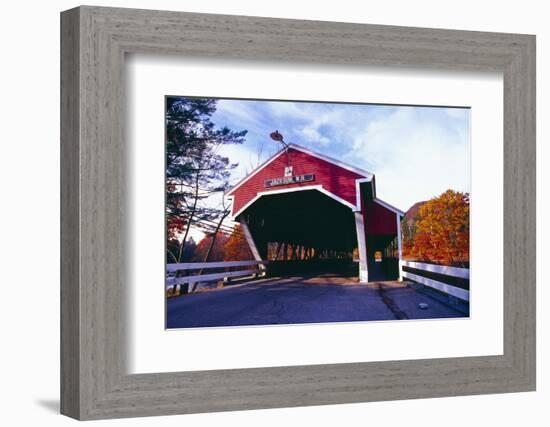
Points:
(362, 246)
(252, 245)
(399, 248)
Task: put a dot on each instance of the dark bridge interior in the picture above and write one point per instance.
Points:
(303, 232)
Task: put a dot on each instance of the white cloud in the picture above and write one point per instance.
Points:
(236, 111)
(415, 156)
(288, 109)
(312, 135)
(457, 113)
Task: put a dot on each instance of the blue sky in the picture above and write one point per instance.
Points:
(416, 153)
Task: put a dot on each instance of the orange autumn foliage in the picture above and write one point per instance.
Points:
(443, 230)
(236, 248)
(217, 252)
(227, 247)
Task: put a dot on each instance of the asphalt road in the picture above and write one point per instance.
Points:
(301, 300)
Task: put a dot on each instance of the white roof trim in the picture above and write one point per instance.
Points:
(366, 174)
(388, 206)
(291, 190)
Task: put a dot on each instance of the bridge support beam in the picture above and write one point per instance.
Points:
(252, 244)
(399, 247)
(362, 247)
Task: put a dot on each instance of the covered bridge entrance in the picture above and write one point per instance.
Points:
(307, 213)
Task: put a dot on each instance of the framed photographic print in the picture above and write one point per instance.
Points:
(293, 233)
(262, 213)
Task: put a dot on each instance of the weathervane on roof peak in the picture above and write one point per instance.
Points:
(277, 136)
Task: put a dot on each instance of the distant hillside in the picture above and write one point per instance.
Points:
(413, 210)
(408, 229)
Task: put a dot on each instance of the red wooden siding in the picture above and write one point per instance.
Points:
(379, 220)
(333, 178)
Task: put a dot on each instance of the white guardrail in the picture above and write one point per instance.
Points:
(463, 273)
(179, 277)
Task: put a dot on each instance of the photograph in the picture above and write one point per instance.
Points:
(286, 212)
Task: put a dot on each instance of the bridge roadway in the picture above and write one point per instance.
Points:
(293, 300)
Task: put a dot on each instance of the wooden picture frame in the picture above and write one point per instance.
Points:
(94, 41)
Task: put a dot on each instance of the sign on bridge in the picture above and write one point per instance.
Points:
(289, 180)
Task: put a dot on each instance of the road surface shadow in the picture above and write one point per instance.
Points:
(302, 300)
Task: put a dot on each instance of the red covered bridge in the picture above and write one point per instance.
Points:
(304, 211)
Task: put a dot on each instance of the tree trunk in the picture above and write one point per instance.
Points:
(190, 220)
(213, 241)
